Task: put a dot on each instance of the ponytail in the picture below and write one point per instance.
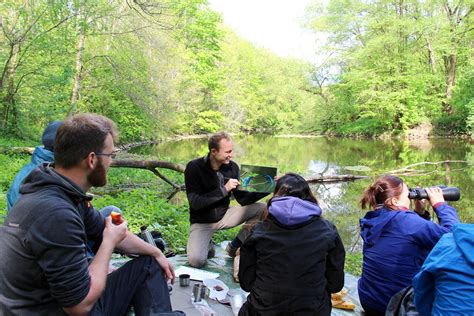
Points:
(381, 192)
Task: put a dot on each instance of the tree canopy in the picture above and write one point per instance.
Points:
(400, 63)
(171, 67)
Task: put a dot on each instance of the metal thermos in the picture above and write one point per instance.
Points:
(146, 235)
(199, 292)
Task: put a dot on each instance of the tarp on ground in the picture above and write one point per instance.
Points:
(223, 264)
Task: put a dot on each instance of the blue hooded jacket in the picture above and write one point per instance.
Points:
(445, 283)
(40, 155)
(395, 245)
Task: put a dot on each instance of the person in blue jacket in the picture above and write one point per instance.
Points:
(40, 154)
(396, 239)
(445, 283)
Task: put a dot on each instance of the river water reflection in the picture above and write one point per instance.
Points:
(311, 156)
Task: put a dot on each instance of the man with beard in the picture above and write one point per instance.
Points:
(44, 269)
(210, 180)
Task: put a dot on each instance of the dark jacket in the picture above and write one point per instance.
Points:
(39, 156)
(395, 245)
(292, 261)
(43, 263)
(207, 196)
(445, 283)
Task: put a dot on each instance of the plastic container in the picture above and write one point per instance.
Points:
(217, 289)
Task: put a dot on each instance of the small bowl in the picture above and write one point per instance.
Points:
(184, 279)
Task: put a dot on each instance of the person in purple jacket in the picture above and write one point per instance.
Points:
(294, 259)
(396, 239)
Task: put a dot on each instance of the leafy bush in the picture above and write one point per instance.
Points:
(209, 121)
(365, 127)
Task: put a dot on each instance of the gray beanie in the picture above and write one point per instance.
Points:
(49, 134)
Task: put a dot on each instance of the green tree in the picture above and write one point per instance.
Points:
(386, 53)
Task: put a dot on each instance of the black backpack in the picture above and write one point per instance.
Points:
(402, 303)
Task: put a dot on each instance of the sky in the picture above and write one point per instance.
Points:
(273, 24)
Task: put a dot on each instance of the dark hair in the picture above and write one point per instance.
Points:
(80, 135)
(382, 191)
(291, 184)
(214, 140)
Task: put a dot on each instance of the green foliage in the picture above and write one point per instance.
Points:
(11, 164)
(264, 93)
(353, 264)
(178, 70)
(388, 55)
(462, 121)
(208, 121)
(142, 207)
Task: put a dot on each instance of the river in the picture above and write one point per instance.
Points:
(311, 156)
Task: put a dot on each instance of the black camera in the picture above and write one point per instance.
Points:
(449, 193)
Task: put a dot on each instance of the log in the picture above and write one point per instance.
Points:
(147, 164)
(17, 150)
(338, 178)
(137, 144)
(152, 165)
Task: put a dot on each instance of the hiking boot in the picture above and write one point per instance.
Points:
(211, 253)
(231, 250)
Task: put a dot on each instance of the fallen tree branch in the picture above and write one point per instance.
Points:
(126, 147)
(410, 171)
(338, 178)
(152, 165)
(148, 164)
(17, 150)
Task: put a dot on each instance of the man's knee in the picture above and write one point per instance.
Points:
(147, 263)
(196, 260)
(109, 209)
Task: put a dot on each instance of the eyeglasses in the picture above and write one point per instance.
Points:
(111, 155)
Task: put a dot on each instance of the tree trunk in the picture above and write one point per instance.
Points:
(454, 16)
(76, 87)
(450, 62)
(8, 82)
(432, 57)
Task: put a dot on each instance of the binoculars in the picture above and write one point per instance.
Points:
(449, 193)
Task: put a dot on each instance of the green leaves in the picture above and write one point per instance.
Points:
(396, 63)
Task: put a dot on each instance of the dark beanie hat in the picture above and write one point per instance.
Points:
(49, 134)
